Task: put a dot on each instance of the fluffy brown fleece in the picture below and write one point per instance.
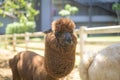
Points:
(63, 25)
(59, 55)
(28, 65)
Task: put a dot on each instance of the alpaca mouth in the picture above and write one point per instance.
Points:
(68, 39)
(67, 43)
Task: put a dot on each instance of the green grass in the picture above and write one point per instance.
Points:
(36, 39)
(2, 45)
(104, 38)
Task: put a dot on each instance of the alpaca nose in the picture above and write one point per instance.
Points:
(68, 38)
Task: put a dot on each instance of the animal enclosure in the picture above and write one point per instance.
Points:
(82, 39)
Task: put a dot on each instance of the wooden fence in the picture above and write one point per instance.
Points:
(14, 39)
(82, 32)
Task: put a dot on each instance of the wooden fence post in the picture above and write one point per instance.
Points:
(44, 38)
(27, 37)
(14, 42)
(83, 37)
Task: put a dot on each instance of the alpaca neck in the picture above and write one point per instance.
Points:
(59, 64)
(59, 60)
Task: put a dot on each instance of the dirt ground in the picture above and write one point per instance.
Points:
(5, 72)
(5, 55)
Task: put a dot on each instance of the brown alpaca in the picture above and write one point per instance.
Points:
(60, 45)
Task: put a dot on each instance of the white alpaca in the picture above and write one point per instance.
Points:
(105, 65)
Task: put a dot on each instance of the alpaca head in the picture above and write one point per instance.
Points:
(63, 31)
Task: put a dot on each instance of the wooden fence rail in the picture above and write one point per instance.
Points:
(82, 32)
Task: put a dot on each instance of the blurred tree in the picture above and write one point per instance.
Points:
(116, 7)
(21, 9)
(68, 10)
(1, 24)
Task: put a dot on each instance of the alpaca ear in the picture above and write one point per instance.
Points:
(53, 25)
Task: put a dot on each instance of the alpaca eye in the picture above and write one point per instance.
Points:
(57, 34)
(71, 31)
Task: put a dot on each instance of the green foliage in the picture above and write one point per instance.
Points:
(1, 24)
(116, 6)
(17, 27)
(68, 10)
(64, 13)
(19, 9)
(23, 11)
(1, 11)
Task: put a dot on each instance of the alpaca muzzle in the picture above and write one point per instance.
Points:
(68, 38)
